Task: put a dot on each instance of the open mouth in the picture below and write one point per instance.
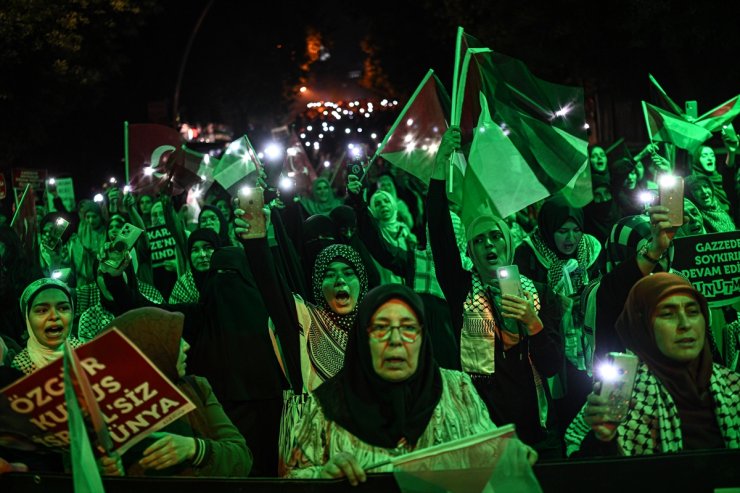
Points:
(492, 258)
(687, 341)
(54, 331)
(342, 296)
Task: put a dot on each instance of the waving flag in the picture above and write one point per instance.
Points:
(723, 114)
(297, 166)
(541, 138)
(664, 126)
(712, 120)
(152, 152)
(413, 140)
(238, 166)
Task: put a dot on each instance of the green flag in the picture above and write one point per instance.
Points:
(543, 124)
(723, 114)
(238, 166)
(664, 126)
(85, 473)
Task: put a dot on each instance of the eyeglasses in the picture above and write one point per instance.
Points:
(409, 333)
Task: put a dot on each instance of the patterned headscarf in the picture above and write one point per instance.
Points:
(39, 354)
(716, 219)
(555, 212)
(625, 238)
(328, 338)
(343, 253)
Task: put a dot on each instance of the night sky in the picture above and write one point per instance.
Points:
(241, 56)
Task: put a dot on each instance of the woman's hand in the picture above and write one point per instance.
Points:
(344, 464)
(6, 466)
(595, 413)
(451, 141)
(241, 227)
(168, 451)
(104, 268)
(111, 466)
(522, 310)
(354, 185)
(661, 230)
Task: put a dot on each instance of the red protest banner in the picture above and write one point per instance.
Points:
(135, 398)
(27, 176)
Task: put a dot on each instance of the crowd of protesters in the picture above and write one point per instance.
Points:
(368, 321)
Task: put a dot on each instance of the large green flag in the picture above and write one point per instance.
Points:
(720, 116)
(664, 126)
(545, 144)
(238, 166)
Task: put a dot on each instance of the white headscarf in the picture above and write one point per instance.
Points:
(39, 354)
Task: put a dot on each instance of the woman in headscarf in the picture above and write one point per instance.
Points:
(394, 232)
(86, 243)
(48, 308)
(702, 193)
(508, 344)
(314, 352)
(231, 347)
(704, 164)
(386, 183)
(681, 400)
(211, 217)
(390, 397)
(322, 199)
(201, 244)
(624, 187)
(204, 442)
(559, 254)
(600, 215)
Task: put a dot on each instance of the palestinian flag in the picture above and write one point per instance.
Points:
(664, 126)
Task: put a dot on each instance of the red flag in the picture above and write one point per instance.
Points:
(413, 140)
(297, 166)
(153, 151)
(24, 220)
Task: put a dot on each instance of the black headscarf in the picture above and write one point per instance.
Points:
(223, 230)
(555, 211)
(375, 410)
(235, 331)
(209, 236)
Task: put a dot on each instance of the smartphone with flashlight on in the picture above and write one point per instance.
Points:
(670, 191)
(124, 242)
(508, 280)
(51, 240)
(617, 376)
(252, 201)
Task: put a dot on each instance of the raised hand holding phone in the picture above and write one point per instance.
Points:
(249, 207)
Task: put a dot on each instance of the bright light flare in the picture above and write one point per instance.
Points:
(273, 151)
(608, 372)
(667, 180)
(286, 183)
(148, 171)
(98, 197)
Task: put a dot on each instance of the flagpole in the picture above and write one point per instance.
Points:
(455, 117)
(647, 122)
(459, 95)
(18, 203)
(398, 121)
(125, 149)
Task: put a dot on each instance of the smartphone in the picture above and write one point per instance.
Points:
(729, 132)
(670, 190)
(617, 376)
(51, 240)
(356, 168)
(692, 109)
(252, 200)
(124, 242)
(508, 280)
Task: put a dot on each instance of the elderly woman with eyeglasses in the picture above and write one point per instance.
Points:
(390, 398)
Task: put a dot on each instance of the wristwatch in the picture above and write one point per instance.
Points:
(643, 252)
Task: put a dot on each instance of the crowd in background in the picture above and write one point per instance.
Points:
(369, 321)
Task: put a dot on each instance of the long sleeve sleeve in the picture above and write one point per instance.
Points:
(453, 279)
(280, 305)
(225, 451)
(546, 347)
